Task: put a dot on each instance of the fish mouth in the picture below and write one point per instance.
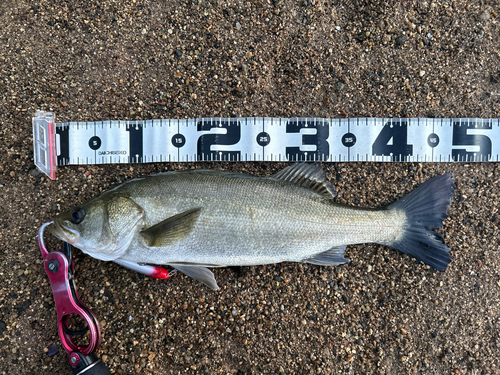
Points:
(64, 234)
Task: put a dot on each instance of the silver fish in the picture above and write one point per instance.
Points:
(196, 219)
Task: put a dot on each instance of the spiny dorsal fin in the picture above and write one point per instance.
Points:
(309, 176)
(172, 230)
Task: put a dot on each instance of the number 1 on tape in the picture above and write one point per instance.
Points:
(263, 139)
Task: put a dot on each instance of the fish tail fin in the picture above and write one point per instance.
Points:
(425, 208)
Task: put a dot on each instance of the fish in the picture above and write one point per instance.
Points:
(199, 219)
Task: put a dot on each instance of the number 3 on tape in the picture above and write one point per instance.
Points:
(263, 139)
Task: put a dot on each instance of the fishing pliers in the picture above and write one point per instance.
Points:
(60, 269)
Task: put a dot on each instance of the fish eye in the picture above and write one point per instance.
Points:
(77, 216)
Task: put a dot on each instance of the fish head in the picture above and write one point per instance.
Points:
(103, 227)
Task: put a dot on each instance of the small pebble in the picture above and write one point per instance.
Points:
(400, 40)
(485, 16)
(52, 350)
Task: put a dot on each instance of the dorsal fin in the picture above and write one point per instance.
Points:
(310, 176)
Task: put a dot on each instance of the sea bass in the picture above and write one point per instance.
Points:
(192, 220)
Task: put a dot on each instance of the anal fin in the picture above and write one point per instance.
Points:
(332, 257)
(200, 273)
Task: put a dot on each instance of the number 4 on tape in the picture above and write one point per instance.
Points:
(263, 139)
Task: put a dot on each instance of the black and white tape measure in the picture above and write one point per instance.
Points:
(263, 139)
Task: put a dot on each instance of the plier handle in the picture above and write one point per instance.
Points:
(60, 270)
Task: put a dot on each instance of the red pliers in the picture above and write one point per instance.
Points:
(60, 270)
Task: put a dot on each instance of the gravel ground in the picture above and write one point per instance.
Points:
(382, 312)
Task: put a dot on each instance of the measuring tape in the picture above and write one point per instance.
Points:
(263, 139)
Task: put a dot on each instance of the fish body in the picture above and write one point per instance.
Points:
(196, 219)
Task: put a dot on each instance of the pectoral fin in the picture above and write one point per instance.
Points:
(200, 273)
(172, 230)
(332, 257)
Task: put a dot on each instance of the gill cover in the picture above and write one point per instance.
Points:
(107, 228)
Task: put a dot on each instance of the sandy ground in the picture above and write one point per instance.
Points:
(382, 312)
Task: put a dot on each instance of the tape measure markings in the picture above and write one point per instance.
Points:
(264, 139)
